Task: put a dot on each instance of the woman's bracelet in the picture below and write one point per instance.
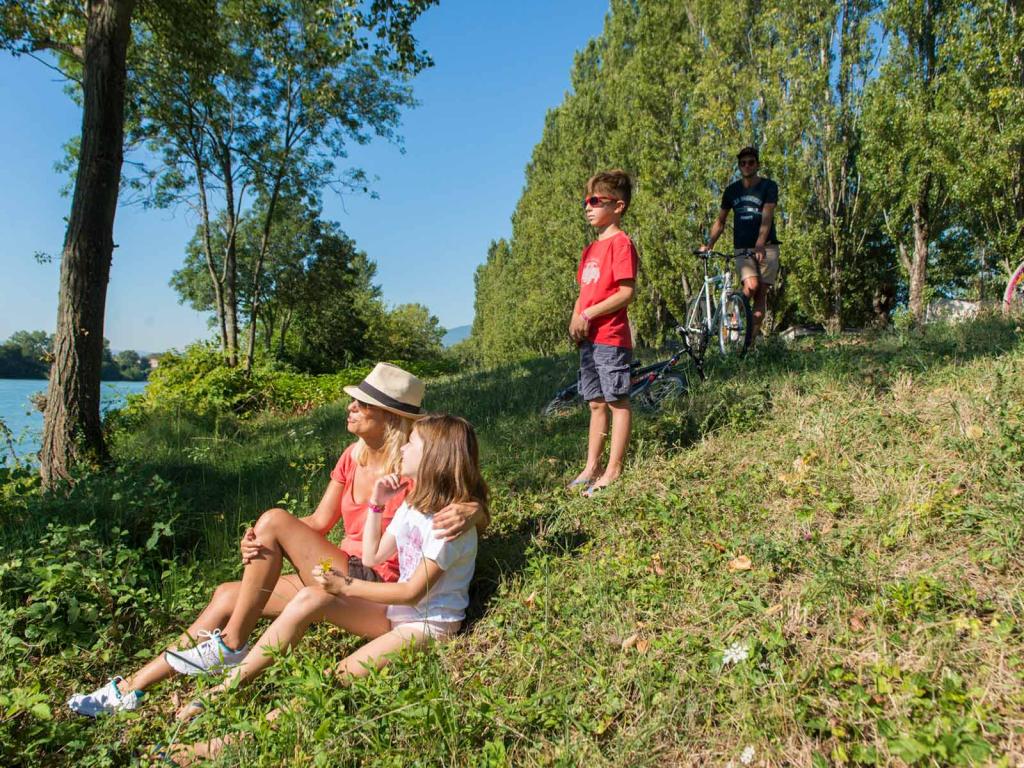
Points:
(377, 509)
(584, 315)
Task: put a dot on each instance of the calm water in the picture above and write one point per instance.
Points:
(26, 423)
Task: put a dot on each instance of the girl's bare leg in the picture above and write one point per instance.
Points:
(376, 653)
(214, 616)
(312, 604)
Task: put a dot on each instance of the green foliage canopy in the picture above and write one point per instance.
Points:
(854, 121)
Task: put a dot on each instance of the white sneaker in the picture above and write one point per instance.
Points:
(105, 700)
(208, 656)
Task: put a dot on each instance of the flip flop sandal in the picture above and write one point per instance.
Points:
(593, 491)
(578, 482)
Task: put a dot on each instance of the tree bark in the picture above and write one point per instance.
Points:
(1016, 9)
(72, 430)
(229, 277)
(257, 273)
(215, 281)
(919, 263)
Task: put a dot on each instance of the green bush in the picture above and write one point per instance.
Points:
(199, 381)
(72, 589)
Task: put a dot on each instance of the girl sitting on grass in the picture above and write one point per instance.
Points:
(441, 463)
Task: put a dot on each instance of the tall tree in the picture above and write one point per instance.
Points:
(93, 40)
(95, 37)
(911, 140)
(290, 85)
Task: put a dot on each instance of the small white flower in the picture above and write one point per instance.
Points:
(747, 755)
(735, 653)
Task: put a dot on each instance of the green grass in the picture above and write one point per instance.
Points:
(875, 484)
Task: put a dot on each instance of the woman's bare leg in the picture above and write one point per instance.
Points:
(282, 536)
(214, 616)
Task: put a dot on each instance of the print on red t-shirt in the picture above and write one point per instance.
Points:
(603, 265)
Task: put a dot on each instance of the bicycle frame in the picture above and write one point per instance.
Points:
(720, 283)
(654, 370)
(651, 373)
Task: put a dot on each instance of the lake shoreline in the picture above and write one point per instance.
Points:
(25, 421)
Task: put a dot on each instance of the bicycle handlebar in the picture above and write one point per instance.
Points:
(708, 254)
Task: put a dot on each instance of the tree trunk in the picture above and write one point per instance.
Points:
(257, 273)
(919, 262)
(229, 277)
(215, 280)
(72, 430)
(1016, 8)
(286, 321)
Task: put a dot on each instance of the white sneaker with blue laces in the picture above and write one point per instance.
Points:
(105, 700)
(211, 655)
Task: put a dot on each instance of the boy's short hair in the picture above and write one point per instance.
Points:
(614, 183)
(748, 152)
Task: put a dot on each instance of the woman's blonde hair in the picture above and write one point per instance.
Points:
(396, 434)
(450, 466)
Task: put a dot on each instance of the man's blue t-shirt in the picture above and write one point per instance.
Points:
(747, 205)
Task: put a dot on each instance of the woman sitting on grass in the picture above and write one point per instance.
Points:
(428, 602)
(384, 408)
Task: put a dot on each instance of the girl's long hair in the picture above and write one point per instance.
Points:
(450, 466)
(396, 434)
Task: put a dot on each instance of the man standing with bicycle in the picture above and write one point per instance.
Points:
(753, 198)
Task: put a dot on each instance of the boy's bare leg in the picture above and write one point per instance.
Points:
(595, 441)
(622, 422)
(214, 616)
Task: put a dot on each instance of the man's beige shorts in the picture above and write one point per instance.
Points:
(747, 266)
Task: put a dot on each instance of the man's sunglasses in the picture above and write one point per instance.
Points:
(595, 200)
(748, 161)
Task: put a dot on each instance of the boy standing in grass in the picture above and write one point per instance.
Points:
(600, 326)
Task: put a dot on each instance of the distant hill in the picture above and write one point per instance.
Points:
(455, 335)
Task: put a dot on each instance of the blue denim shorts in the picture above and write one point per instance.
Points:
(604, 371)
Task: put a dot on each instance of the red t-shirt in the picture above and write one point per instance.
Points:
(603, 265)
(353, 514)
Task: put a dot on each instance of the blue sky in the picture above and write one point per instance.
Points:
(498, 68)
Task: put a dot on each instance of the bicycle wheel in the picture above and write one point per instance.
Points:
(566, 401)
(735, 325)
(1013, 298)
(668, 386)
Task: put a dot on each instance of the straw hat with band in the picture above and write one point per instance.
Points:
(389, 387)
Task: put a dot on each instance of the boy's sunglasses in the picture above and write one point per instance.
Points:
(595, 200)
(748, 161)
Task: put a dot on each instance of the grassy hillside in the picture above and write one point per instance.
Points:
(812, 560)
